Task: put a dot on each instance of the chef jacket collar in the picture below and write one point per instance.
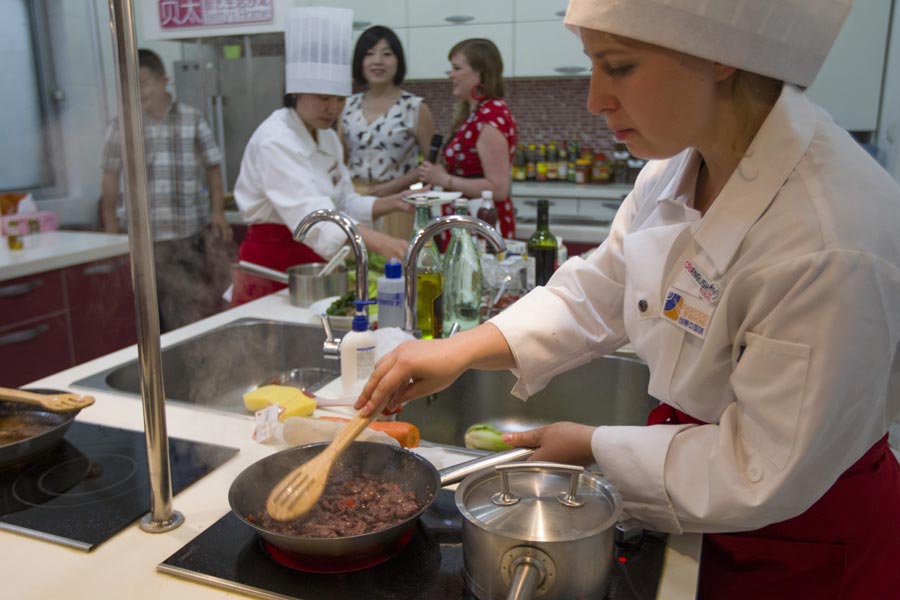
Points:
(773, 154)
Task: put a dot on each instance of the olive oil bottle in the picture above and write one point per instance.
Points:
(429, 280)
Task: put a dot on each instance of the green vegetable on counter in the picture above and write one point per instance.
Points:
(342, 307)
(483, 436)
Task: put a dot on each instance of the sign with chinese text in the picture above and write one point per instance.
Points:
(176, 14)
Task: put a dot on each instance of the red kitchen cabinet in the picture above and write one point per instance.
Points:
(31, 296)
(34, 349)
(101, 307)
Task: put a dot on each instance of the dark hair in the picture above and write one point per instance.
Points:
(290, 100)
(148, 59)
(367, 41)
(484, 58)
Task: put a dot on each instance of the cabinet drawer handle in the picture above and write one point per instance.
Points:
(534, 203)
(104, 268)
(361, 24)
(20, 289)
(19, 337)
(570, 70)
(457, 19)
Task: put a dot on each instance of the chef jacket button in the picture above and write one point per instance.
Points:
(754, 473)
(642, 305)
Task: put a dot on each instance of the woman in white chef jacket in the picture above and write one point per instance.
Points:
(756, 268)
(293, 163)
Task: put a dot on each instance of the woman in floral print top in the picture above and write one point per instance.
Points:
(479, 156)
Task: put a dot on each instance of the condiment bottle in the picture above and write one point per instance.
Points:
(542, 248)
(429, 280)
(357, 351)
(391, 295)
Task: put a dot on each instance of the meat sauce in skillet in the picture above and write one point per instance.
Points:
(352, 504)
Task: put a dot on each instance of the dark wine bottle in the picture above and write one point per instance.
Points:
(542, 247)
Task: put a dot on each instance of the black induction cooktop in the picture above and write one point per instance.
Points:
(229, 554)
(94, 484)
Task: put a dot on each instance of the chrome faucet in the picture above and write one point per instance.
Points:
(356, 242)
(332, 345)
(434, 227)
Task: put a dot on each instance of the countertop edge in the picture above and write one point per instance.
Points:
(77, 575)
(58, 250)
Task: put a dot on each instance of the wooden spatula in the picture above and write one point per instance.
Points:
(52, 402)
(298, 491)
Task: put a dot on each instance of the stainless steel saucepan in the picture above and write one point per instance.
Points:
(306, 286)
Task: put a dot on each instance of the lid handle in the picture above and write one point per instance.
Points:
(568, 498)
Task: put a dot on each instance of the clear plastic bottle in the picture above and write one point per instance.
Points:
(391, 295)
(463, 278)
(357, 352)
(429, 280)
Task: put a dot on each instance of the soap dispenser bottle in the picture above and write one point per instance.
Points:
(357, 352)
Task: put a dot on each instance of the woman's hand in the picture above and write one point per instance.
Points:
(431, 173)
(389, 204)
(412, 370)
(385, 245)
(563, 442)
(418, 368)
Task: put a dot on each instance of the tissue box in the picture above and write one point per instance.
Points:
(37, 222)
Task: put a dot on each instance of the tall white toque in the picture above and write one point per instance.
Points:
(784, 39)
(317, 45)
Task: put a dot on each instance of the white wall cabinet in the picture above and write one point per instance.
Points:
(849, 84)
(426, 55)
(370, 12)
(547, 48)
(426, 13)
(540, 10)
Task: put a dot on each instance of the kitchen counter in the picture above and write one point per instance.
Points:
(59, 249)
(125, 565)
(534, 189)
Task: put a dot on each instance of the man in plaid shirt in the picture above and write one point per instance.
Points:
(179, 150)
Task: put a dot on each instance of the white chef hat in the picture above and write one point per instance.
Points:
(317, 45)
(784, 39)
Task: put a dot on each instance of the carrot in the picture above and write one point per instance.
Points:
(405, 433)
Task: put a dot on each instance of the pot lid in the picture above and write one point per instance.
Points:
(539, 501)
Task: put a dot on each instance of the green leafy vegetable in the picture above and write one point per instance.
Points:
(483, 436)
(342, 307)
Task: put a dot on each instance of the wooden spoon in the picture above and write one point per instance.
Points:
(55, 403)
(299, 491)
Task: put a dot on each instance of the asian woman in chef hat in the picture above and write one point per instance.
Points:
(755, 267)
(293, 163)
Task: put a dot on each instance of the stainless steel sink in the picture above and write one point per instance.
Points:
(611, 391)
(215, 369)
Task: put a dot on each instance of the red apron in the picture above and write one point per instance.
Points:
(846, 545)
(273, 246)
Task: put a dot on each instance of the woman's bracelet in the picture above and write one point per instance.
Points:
(449, 181)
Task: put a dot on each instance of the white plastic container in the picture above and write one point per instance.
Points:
(357, 352)
(391, 296)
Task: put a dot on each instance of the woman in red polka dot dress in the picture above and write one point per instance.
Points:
(479, 156)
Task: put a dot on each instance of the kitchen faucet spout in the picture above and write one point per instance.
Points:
(332, 345)
(356, 242)
(434, 227)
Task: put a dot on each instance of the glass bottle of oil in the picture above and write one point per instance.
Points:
(429, 280)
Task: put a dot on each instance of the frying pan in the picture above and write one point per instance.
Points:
(53, 428)
(249, 491)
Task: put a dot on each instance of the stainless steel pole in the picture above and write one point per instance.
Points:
(161, 516)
